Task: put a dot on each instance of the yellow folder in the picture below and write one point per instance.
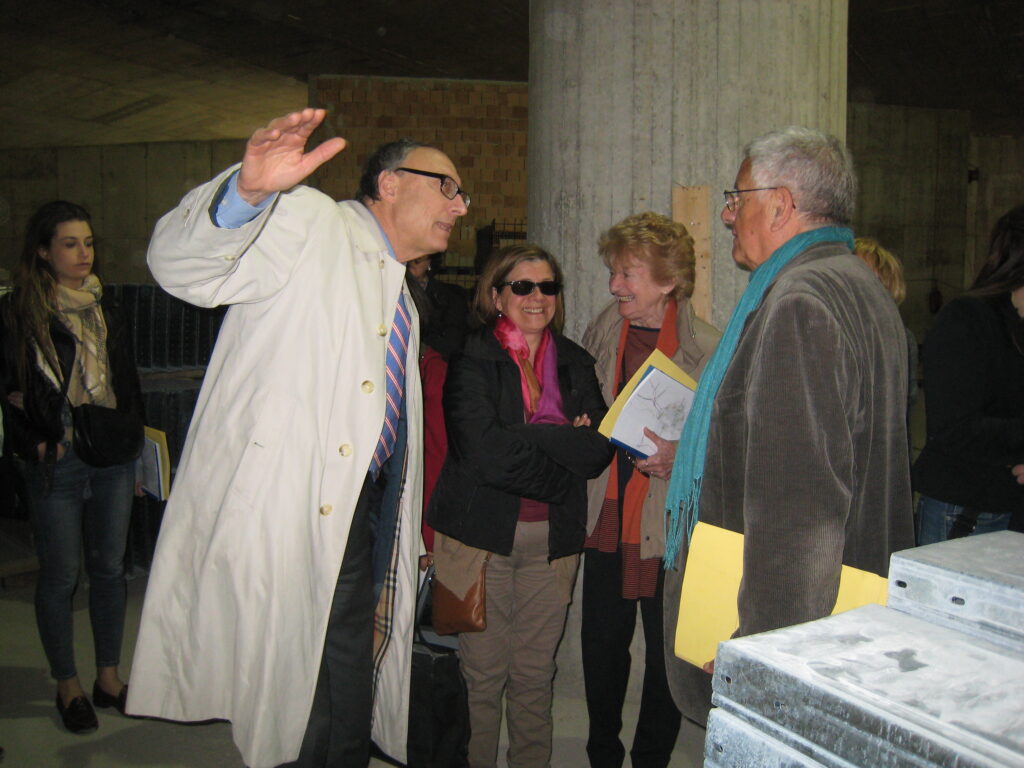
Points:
(711, 583)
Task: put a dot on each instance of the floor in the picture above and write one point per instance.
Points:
(32, 736)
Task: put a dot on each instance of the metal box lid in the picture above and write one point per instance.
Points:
(974, 584)
(876, 687)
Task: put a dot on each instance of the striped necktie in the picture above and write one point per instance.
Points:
(394, 363)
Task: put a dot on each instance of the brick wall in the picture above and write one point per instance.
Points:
(480, 125)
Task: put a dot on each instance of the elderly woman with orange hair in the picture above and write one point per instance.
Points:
(884, 263)
(651, 275)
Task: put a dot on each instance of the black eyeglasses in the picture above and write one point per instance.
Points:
(449, 187)
(732, 196)
(525, 287)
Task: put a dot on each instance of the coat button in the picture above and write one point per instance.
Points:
(345, 449)
(382, 330)
(367, 386)
(382, 263)
(326, 509)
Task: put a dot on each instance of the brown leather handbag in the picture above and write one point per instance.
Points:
(451, 615)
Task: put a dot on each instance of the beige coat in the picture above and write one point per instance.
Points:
(251, 543)
(697, 341)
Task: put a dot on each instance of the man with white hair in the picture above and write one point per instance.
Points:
(797, 437)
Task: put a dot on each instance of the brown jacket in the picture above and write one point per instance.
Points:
(807, 450)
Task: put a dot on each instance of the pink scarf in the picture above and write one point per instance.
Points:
(542, 399)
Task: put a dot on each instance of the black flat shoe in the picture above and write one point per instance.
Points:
(78, 716)
(102, 699)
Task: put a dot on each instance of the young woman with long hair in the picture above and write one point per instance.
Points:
(65, 345)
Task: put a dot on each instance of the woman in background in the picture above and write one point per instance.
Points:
(650, 261)
(519, 403)
(974, 400)
(64, 345)
(444, 326)
(889, 270)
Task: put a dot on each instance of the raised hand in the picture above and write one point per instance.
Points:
(275, 157)
(1018, 472)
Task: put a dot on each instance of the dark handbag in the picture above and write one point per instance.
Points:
(469, 614)
(105, 437)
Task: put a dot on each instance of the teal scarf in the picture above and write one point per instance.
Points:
(683, 501)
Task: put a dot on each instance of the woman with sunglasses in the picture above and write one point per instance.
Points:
(521, 406)
(651, 272)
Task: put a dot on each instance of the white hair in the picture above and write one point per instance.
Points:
(815, 167)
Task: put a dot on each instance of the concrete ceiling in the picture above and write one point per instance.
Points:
(117, 71)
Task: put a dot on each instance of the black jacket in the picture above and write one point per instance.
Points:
(446, 325)
(974, 401)
(41, 420)
(494, 459)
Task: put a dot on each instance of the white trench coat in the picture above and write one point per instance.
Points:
(254, 533)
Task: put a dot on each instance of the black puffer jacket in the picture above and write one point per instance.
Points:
(494, 459)
(41, 421)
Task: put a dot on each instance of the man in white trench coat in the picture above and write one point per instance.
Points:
(282, 590)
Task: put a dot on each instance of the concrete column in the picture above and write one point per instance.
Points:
(628, 97)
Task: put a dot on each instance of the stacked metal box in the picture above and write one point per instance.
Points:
(935, 679)
(975, 584)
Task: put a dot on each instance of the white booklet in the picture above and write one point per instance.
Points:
(659, 403)
(659, 397)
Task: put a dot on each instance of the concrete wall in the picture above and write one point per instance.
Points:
(999, 162)
(628, 98)
(125, 187)
(912, 165)
(931, 193)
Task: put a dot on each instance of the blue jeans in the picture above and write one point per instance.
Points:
(91, 506)
(935, 518)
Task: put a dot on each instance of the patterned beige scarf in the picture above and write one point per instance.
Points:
(79, 310)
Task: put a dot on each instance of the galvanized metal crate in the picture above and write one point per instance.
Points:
(974, 584)
(743, 742)
(877, 687)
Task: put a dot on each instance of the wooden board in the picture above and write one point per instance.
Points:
(691, 206)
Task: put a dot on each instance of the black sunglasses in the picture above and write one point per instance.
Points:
(525, 287)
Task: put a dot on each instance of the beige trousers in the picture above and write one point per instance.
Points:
(515, 655)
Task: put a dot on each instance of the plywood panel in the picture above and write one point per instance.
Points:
(692, 207)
